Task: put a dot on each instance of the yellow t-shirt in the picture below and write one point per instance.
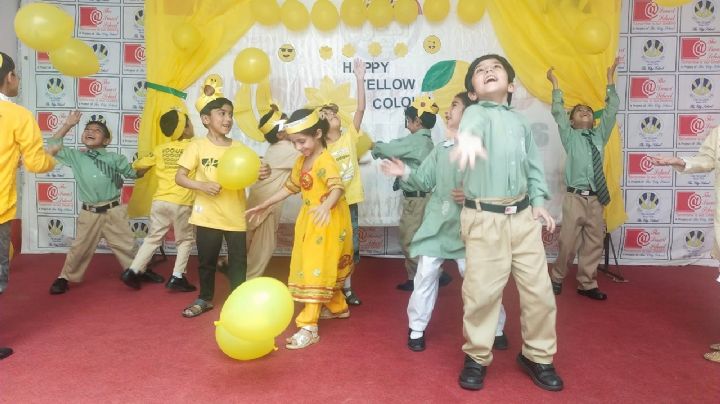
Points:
(165, 160)
(226, 210)
(344, 152)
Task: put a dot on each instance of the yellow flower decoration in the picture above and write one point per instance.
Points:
(375, 49)
(401, 49)
(326, 52)
(331, 93)
(348, 50)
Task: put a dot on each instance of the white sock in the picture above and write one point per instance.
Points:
(177, 274)
(348, 283)
(416, 334)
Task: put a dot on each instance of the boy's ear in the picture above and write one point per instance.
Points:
(472, 96)
(106, 141)
(318, 133)
(511, 87)
(205, 119)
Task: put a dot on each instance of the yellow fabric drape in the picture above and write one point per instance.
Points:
(221, 23)
(537, 34)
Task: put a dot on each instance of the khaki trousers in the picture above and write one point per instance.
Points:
(164, 214)
(497, 245)
(261, 242)
(112, 225)
(410, 221)
(582, 223)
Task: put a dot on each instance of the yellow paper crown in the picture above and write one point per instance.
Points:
(302, 123)
(210, 91)
(424, 103)
(274, 120)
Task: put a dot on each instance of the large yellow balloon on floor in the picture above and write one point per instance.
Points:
(257, 310)
(240, 349)
(238, 168)
(353, 13)
(251, 66)
(75, 59)
(43, 27)
(592, 36)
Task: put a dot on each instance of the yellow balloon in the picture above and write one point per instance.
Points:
(186, 37)
(380, 13)
(592, 36)
(353, 13)
(75, 59)
(405, 11)
(251, 66)
(671, 3)
(43, 27)
(238, 168)
(257, 310)
(324, 15)
(266, 12)
(363, 144)
(436, 10)
(294, 15)
(240, 349)
(470, 11)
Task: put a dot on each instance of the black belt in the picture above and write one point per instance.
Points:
(415, 194)
(581, 192)
(504, 209)
(101, 208)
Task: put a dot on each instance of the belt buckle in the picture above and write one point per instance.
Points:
(93, 209)
(511, 210)
(585, 193)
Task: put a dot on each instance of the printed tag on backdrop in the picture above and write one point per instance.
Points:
(652, 54)
(98, 22)
(133, 58)
(700, 16)
(133, 23)
(650, 130)
(691, 242)
(55, 197)
(641, 172)
(648, 206)
(99, 92)
(702, 180)
(130, 129)
(54, 91)
(110, 119)
(699, 54)
(551, 241)
(285, 235)
(42, 63)
(698, 92)
(134, 93)
(372, 240)
(694, 128)
(51, 121)
(623, 54)
(648, 17)
(55, 231)
(645, 243)
(652, 92)
(140, 229)
(108, 54)
(694, 206)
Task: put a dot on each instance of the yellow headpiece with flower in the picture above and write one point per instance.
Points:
(210, 91)
(424, 103)
(302, 123)
(274, 120)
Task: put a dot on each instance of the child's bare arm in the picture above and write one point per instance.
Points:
(611, 71)
(551, 76)
(359, 68)
(182, 179)
(253, 213)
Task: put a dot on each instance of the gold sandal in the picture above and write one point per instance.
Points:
(713, 356)
(715, 347)
(326, 314)
(303, 338)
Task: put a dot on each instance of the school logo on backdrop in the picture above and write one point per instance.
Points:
(636, 239)
(99, 22)
(691, 126)
(48, 121)
(90, 88)
(642, 87)
(692, 48)
(90, 17)
(688, 201)
(133, 58)
(701, 88)
(645, 10)
(139, 18)
(648, 202)
(57, 197)
(694, 239)
(653, 50)
(47, 193)
(652, 93)
(140, 89)
(650, 125)
(647, 16)
(639, 164)
(704, 11)
(641, 171)
(130, 129)
(101, 51)
(100, 93)
(55, 86)
(139, 229)
(55, 227)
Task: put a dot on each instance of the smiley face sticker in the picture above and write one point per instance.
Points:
(286, 52)
(432, 44)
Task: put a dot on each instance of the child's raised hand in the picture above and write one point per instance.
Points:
(541, 213)
(359, 68)
(551, 76)
(611, 71)
(393, 167)
(210, 188)
(468, 148)
(321, 214)
(52, 150)
(264, 172)
(73, 118)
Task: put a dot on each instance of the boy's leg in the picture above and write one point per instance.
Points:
(116, 231)
(261, 243)
(87, 236)
(591, 248)
(209, 243)
(410, 221)
(160, 219)
(237, 257)
(184, 237)
(423, 298)
(573, 218)
(4, 254)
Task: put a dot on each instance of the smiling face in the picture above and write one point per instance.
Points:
(307, 144)
(490, 82)
(431, 44)
(581, 117)
(219, 121)
(454, 114)
(286, 52)
(94, 136)
(331, 117)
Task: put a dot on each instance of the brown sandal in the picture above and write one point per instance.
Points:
(198, 307)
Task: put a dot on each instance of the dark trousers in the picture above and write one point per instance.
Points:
(355, 222)
(209, 243)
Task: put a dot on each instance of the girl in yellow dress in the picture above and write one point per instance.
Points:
(322, 255)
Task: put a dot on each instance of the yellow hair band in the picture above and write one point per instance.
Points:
(272, 122)
(303, 123)
(182, 121)
(424, 103)
(2, 58)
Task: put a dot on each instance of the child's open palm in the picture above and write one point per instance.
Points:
(469, 147)
(321, 215)
(254, 214)
(393, 167)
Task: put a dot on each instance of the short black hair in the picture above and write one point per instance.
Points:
(464, 98)
(572, 111)
(8, 65)
(271, 136)
(321, 124)
(169, 122)
(505, 64)
(215, 104)
(427, 120)
(103, 127)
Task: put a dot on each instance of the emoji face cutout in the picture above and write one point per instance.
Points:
(286, 52)
(431, 44)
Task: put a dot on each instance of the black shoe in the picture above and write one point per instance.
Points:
(180, 284)
(59, 287)
(416, 344)
(472, 375)
(407, 286)
(557, 287)
(351, 298)
(501, 342)
(445, 279)
(593, 293)
(543, 375)
(5, 352)
(152, 277)
(131, 279)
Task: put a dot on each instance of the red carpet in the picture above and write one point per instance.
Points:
(104, 342)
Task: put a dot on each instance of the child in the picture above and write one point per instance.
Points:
(707, 159)
(342, 147)
(322, 251)
(172, 204)
(420, 117)
(437, 239)
(217, 213)
(99, 178)
(587, 192)
(20, 137)
(281, 157)
(502, 236)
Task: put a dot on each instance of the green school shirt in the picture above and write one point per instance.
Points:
(411, 149)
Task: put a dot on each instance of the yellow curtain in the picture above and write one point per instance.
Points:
(537, 34)
(220, 24)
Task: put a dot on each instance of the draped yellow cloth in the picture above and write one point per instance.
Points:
(537, 34)
(220, 24)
